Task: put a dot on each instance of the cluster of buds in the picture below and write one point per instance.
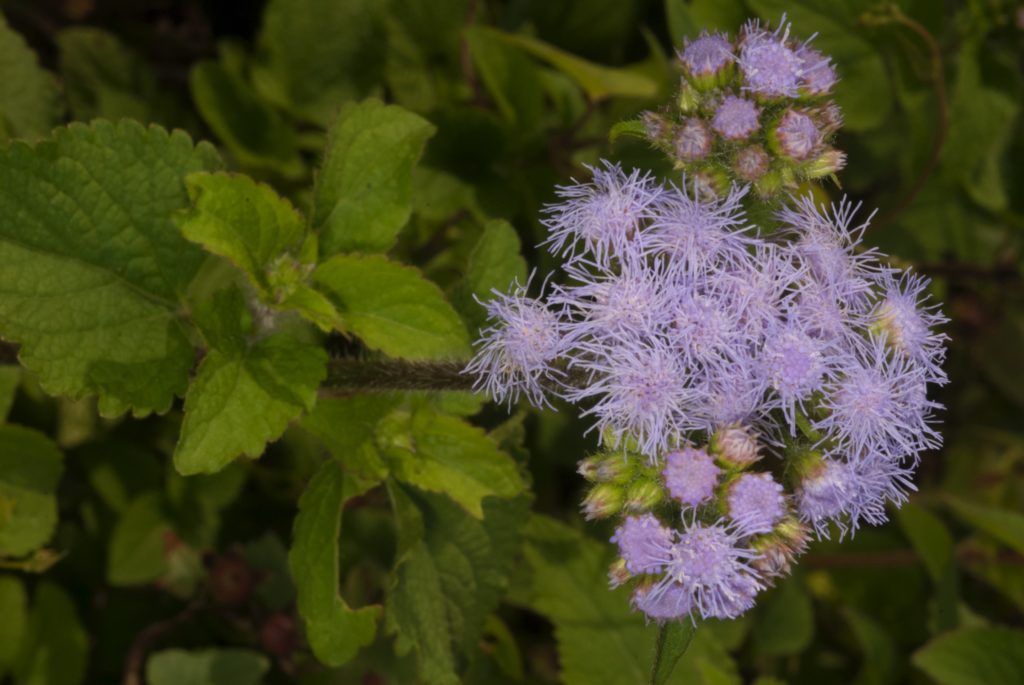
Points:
(756, 110)
(739, 530)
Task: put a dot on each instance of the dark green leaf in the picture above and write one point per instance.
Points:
(14, 609)
(785, 619)
(54, 650)
(974, 656)
(29, 97)
(30, 466)
(138, 543)
(206, 667)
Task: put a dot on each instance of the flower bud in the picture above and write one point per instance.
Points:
(643, 495)
(736, 118)
(828, 118)
(656, 127)
(751, 163)
(603, 501)
(692, 140)
(735, 445)
(689, 98)
(707, 61)
(618, 573)
(827, 163)
(796, 136)
(780, 548)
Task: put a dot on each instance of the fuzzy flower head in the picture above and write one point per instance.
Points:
(602, 217)
(756, 503)
(690, 476)
(644, 543)
(736, 118)
(796, 365)
(708, 55)
(908, 323)
(818, 76)
(797, 136)
(664, 601)
(516, 354)
(771, 67)
(699, 233)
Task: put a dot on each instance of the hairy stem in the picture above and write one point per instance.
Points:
(357, 375)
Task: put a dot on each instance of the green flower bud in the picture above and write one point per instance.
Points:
(643, 495)
(603, 501)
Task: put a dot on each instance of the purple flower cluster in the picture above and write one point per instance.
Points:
(753, 110)
(749, 384)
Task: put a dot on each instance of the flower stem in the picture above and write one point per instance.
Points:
(345, 375)
(673, 640)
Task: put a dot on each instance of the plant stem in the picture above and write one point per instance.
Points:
(673, 640)
(346, 375)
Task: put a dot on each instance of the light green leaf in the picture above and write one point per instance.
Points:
(92, 266)
(363, 192)
(346, 427)
(601, 639)
(495, 262)
(30, 466)
(449, 456)
(240, 401)
(55, 647)
(14, 609)
(244, 221)
(254, 132)
(137, 546)
(206, 667)
(1002, 524)
(335, 632)
(599, 82)
(785, 620)
(450, 574)
(29, 96)
(318, 54)
(392, 308)
(864, 91)
(974, 656)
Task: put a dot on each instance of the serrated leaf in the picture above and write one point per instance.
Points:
(29, 96)
(92, 267)
(54, 650)
(1002, 524)
(346, 427)
(240, 401)
(392, 308)
(564, 576)
(253, 132)
(449, 577)
(974, 656)
(206, 667)
(449, 456)
(14, 609)
(30, 467)
(319, 54)
(599, 82)
(335, 632)
(246, 222)
(864, 90)
(136, 554)
(363, 192)
(495, 262)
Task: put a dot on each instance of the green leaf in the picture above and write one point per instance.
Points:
(1002, 524)
(30, 467)
(601, 639)
(55, 647)
(864, 91)
(346, 427)
(244, 221)
(138, 543)
(450, 574)
(241, 400)
(674, 639)
(974, 656)
(363, 192)
(878, 647)
(318, 54)
(206, 667)
(449, 456)
(392, 308)
(687, 18)
(93, 267)
(105, 79)
(599, 82)
(931, 539)
(14, 609)
(254, 132)
(29, 96)
(632, 127)
(511, 77)
(10, 379)
(494, 264)
(785, 620)
(335, 632)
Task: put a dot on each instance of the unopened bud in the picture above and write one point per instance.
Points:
(796, 136)
(827, 163)
(708, 61)
(656, 127)
(828, 118)
(643, 495)
(602, 501)
(618, 573)
(689, 99)
(735, 445)
(751, 163)
(693, 140)
(780, 548)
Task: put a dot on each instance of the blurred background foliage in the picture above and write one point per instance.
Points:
(154, 576)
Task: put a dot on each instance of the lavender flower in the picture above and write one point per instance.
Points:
(644, 543)
(797, 136)
(907, 320)
(751, 163)
(736, 445)
(664, 601)
(770, 67)
(796, 366)
(699, 233)
(756, 503)
(736, 118)
(817, 73)
(693, 140)
(690, 475)
(706, 56)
